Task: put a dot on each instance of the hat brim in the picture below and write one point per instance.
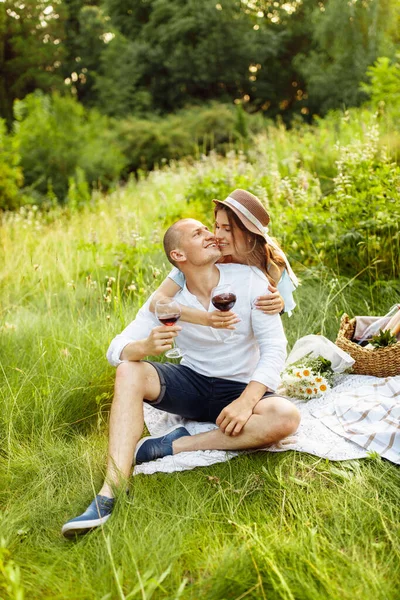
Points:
(248, 224)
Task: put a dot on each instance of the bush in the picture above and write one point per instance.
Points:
(11, 177)
(149, 143)
(56, 136)
(189, 132)
(384, 82)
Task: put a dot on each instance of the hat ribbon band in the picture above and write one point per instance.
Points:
(232, 202)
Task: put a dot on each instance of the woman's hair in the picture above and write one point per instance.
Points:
(259, 253)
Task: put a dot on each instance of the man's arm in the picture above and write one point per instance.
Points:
(234, 417)
(144, 336)
(158, 341)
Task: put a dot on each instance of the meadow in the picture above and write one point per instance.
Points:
(273, 526)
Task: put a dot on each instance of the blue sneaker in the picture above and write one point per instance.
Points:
(152, 447)
(96, 514)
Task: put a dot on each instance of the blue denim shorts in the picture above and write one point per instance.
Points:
(193, 396)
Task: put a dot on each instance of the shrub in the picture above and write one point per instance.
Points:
(56, 136)
(11, 177)
(384, 82)
(189, 132)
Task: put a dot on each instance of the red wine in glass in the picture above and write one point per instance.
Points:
(224, 302)
(168, 312)
(223, 298)
(169, 319)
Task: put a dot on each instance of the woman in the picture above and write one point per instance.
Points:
(241, 231)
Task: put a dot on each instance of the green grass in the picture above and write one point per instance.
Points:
(269, 526)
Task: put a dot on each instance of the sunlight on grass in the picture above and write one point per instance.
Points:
(282, 526)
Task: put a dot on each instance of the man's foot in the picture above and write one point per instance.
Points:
(96, 514)
(152, 447)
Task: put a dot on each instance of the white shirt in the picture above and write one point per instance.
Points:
(285, 287)
(258, 355)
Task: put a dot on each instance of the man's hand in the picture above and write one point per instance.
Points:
(234, 417)
(160, 339)
(272, 303)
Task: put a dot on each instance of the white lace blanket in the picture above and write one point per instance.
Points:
(324, 436)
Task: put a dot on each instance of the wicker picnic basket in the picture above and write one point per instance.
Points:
(381, 362)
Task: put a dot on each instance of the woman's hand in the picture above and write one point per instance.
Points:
(222, 320)
(272, 303)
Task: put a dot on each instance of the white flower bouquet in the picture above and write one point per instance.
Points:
(308, 378)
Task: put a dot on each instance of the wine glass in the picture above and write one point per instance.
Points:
(168, 312)
(223, 298)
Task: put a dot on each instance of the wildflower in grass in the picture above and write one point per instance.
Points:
(71, 284)
(132, 287)
(91, 283)
(8, 327)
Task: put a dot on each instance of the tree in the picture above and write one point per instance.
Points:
(184, 51)
(31, 51)
(336, 63)
(87, 31)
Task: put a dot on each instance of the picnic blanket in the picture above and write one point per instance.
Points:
(359, 415)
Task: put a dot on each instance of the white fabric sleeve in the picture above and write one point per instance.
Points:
(286, 288)
(269, 333)
(138, 329)
(178, 277)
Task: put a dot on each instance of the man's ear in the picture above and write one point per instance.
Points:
(177, 255)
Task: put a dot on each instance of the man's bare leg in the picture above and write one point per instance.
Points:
(273, 419)
(134, 381)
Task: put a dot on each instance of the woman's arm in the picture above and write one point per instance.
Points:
(216, 319)
(281, 297)
(167, 289)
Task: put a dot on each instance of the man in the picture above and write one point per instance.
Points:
(230, 384)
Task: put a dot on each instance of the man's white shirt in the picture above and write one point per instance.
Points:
(259, 352)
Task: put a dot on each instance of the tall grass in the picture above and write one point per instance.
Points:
(284, 526)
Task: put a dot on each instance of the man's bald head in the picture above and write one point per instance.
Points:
(172, 239)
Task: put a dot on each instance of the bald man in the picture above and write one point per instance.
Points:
(232, 385)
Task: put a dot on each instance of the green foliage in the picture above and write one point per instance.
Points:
(160, 56)
(56, 136)
(86, 30)
(346, 38)
(30, 50)
(262, 525)
(178, 52)
(351, 228)
(384, 82)
(382, 339)
(11, 177)
(148, 143)
(187, 133)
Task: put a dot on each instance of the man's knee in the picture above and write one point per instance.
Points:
(282, 418)
(128, 370)
(140, 376)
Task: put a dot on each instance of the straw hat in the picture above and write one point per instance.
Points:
(248, 209)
